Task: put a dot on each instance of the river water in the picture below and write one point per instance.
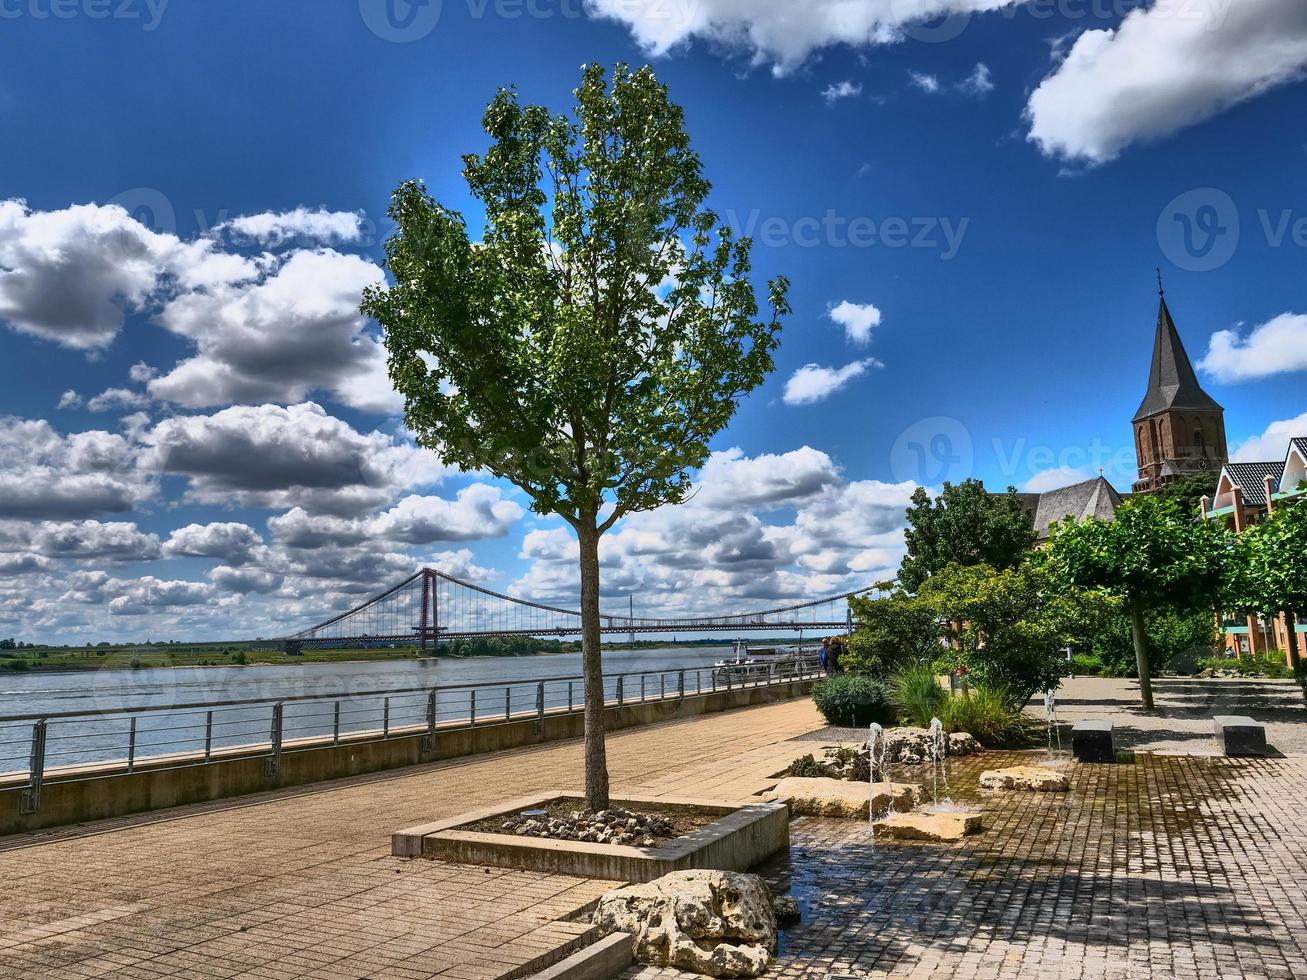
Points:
(324, 698)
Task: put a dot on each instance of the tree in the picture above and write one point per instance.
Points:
(999, 627)
(1152, 555)
(598, 334)
(890, 632)
(1189, 491)
(1268, 575)
(964, 525)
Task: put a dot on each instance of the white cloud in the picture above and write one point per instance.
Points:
(245, 580)
(70, 399)
(781, 33)
(1163, 69)
(927, 83)
(812, 383)
(304, 226)
(145, 596)
(269, 456)
(276, 339)
(1275, 347)
(1055, 479)
(731, 478)
(44, 474)
(857, 319)
(117, 399)
(1272, 444)
(119, 541)
(140, 372)
(233, 543)
(841, 90)
(480, 511)
(979, 82)
(72, 276)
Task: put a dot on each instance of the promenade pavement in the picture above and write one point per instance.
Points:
(1161, 865)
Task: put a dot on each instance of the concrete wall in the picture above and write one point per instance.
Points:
(93, 794)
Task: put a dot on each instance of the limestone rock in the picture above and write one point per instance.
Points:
(718, 923)
(963, 743)
(937, 827)
(913, 745)
(826, 797)
(1026, 777)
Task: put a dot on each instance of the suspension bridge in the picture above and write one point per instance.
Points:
(431, 606)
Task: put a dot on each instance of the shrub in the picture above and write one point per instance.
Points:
(916, 693)
(987, 714)
(1086, 664)
(852, 700)
(239, 658)
(1271, 664)
(806, 766)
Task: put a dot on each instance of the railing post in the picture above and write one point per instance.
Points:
(620, 692)
(472, 710)
(335, 725)
(385, 718)
(680, 685)
(431, 712)
(540, 701)
(508, 703)
(569, 697)
(662, 687)
(30, 800)
(131, 747)
(272, 765)
(208, 736)
(642, 688)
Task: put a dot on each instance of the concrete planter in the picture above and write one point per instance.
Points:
(744, 834)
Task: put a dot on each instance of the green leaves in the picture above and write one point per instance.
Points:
(964, 525)
(602, 329)
(1153, 551)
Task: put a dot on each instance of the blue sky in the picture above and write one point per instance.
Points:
(987, 196)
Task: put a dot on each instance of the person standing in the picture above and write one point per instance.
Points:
(823, 655)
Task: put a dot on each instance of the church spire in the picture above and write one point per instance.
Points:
(1172, 384)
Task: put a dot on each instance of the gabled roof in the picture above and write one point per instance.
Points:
(1250, 478)
(1093, 498)
(1299, 443)
(1172, 383)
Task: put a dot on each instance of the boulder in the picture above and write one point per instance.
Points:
(963, 743)
(717, 923)
(1026, 777)
(937, 827)
(913, 745)
(825, 797)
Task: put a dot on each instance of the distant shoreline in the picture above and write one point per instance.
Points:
(36, 666)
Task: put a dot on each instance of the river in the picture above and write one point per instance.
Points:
(104, 733)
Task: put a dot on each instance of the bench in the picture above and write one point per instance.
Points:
(1240, 735)
(1091, 741)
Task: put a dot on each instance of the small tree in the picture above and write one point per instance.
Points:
(597, 336)
(891, 632)
(1151, 555)
(964, 525)
(1269, 574)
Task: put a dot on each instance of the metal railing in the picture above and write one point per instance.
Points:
(75, 745)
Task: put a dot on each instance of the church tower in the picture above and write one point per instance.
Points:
(1179, 428)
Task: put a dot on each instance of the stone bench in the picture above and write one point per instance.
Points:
(1240, 735)
(1091, 741)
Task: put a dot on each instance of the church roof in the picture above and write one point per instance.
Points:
(1172, 383)
(1092, 498)
(1250, 478)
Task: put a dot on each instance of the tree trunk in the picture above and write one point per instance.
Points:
(596, 760)
(1140, 632)
(1295, 660)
